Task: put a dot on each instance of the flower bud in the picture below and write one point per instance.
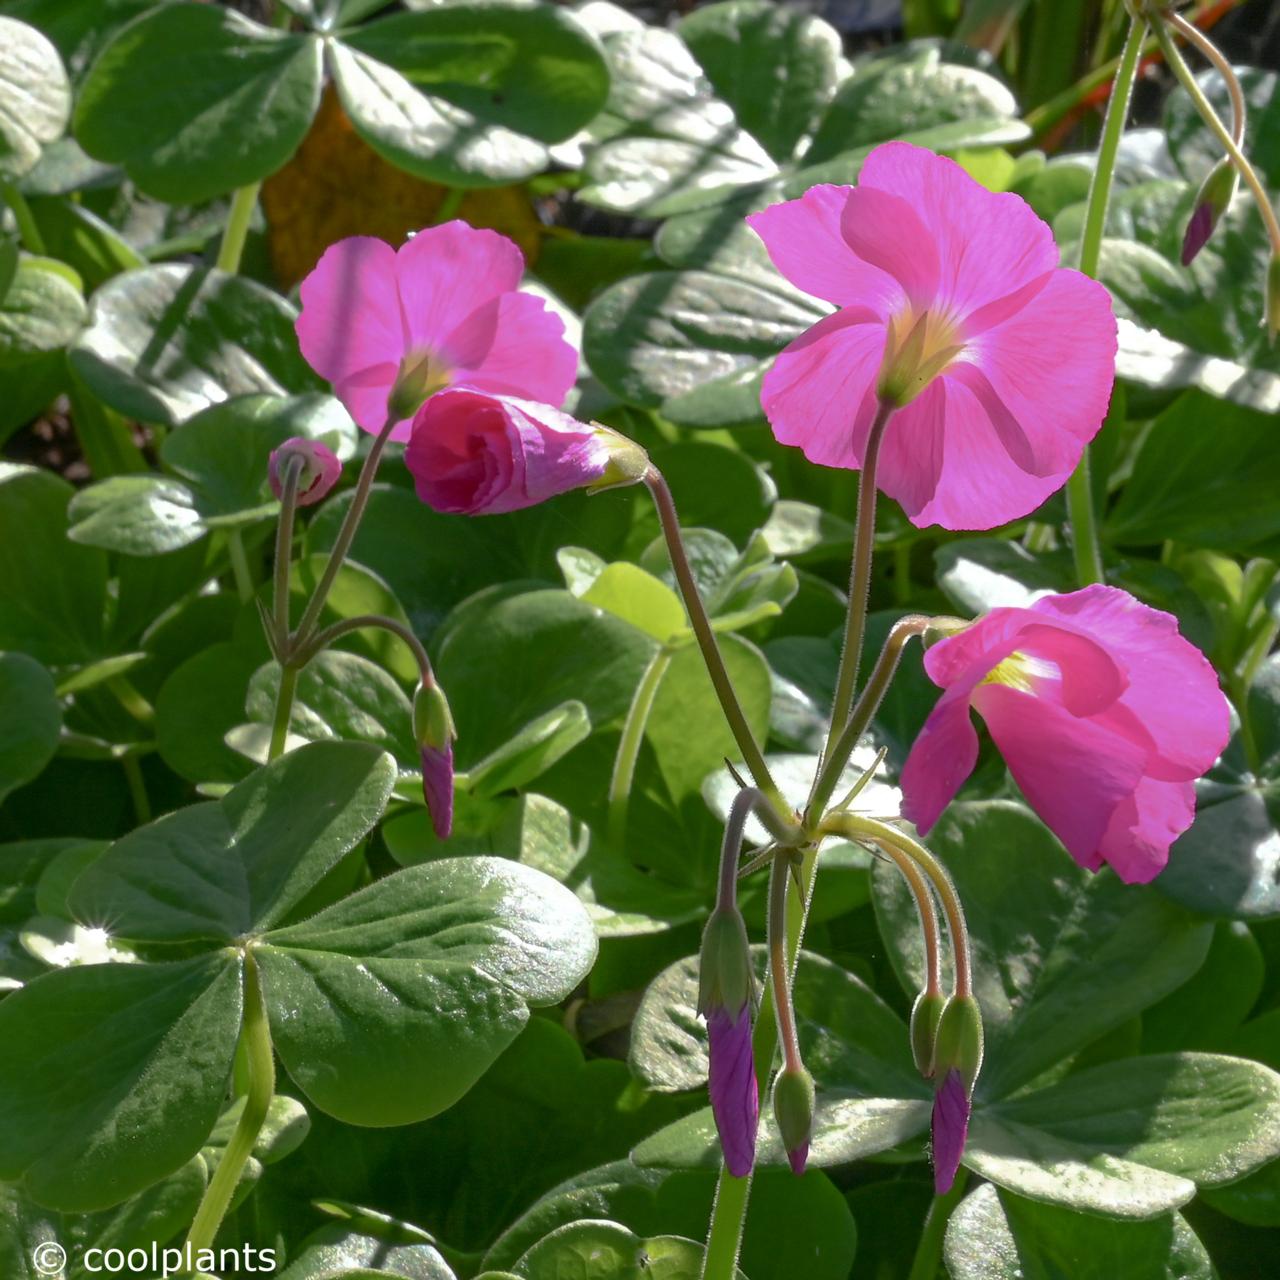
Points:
(627, 461)
(793, 1104)
(925, 1014)
(1272, 313)
(421, 375)
(433, 729)
(321, 469)
(958, 1042)
(1212, 201)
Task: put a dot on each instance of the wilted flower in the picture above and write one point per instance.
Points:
(1104, 714)
(390, 327)
(954, 309)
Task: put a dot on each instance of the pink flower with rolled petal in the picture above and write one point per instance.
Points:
(953, 307)
(321, 469)
(1104, 714)
(442, 310)
(476, 454)
(950, 1129)
(731, 1082)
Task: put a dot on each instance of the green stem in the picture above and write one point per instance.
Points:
(231, 249)
(284, 709)
(624, 763)
(256, 1035)
(284, 550)
(706, 638)
(240, 566)
(859, 578)
(779, 969)
(137, 787)
(861, 716)
(1177, 64)
(728, 1217)
(346, 534)
(929, 1251)
(131, 700)
(1085, 545)
(28, 231)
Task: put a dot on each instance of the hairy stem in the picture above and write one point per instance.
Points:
(284, 550)
(624, 763)
(924, 1266)
(779, 969)
(256, 1038)
(284, 709)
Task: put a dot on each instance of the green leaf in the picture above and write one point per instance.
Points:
(1202, 476)
(52, 593)
(532, 750)
(1225, 863)
(167, 341)
(608, 1251)
(340, 695)
(143, 515)
(195, 100)
(437, 963)
(263, 845)
(1133, 1138)
(470, 95)
(41, 311)
(1061, 955)
(32, 720)
(115, 1076)
(978, 574)
(995, 1235)
(78, 237)
(550, 648)
(337, 1253)
(35, 96)
(628, 592)
(870, 1097)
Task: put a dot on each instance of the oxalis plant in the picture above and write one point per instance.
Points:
(409, 827)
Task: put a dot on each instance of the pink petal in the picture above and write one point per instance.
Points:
(513, 345)
(1137, 839)
(940, 759)
(735, 1095)
(804, 241)
(820, 392)
(1073, 772)
(883, 230)
(1090, 680)
(437, 788)
(978, 484)
(350, 324)
(988, 244)
(914, 449)
(964, 658)
(1052, 366)
(1173, 690)
(475, 454)
(950, 1129)
(446, 272)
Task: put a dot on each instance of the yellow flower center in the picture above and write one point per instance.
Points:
(422, 374)
(1020, 671)
(918, 348)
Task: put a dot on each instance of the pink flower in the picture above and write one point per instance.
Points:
(321, 469)
(476, 454)
(950, 1128)
(442, 310)
(735, 1095)
(1104, 714)
(953, 306)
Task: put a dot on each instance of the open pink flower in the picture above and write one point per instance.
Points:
(1104, 714)
(475, 454)
(951, 303)
(442, 310)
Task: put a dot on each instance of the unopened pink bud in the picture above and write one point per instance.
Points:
(950, 1129)
(321, 469)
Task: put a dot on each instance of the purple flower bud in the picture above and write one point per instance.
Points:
(1212, 201)
(735, 1095)
(437, 787)
(320, 469)
(950, 1129)
(793, 1106)
(1196, 236)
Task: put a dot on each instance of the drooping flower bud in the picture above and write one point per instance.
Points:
(726, 996)
(958, 1041)
(793, 1105)
(942, 628)
(925, 1015)
(1212, 201)
(434, 731)
(321, 469)
(949, 1129)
